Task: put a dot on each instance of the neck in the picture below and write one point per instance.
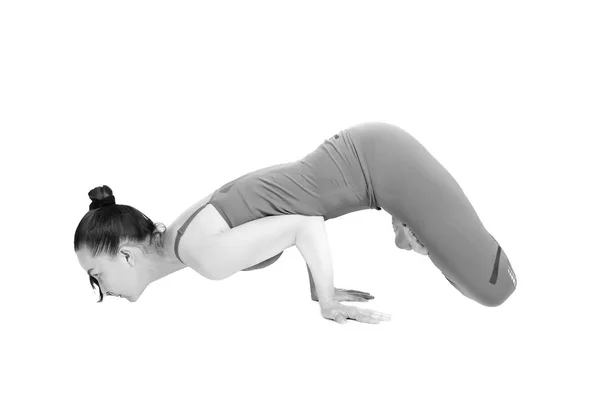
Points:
(168, 262)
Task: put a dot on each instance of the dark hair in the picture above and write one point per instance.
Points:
(106, 227)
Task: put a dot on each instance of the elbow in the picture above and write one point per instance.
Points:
(207, 270)
(219, 276)
(216, 273)
(215, 277)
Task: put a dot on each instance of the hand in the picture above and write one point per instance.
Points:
(346, 295)
(334, 310)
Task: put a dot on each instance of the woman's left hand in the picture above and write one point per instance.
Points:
(348, 295)
(339, 313)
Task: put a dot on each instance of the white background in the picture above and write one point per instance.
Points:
(166, 101)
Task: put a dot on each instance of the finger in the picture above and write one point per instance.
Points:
(359, 293)
(363, 317)
(376, 315)
(359, 298)
(350, 298)
(363, 297)
(366, 315)
(354, 296)
(379, 314)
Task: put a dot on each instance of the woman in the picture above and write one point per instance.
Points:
(248, 223)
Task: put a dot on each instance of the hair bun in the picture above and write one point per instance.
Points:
(101, 196)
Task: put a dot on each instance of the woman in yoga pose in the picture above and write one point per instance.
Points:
(247, 223)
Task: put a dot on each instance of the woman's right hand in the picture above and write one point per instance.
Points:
(337, 312)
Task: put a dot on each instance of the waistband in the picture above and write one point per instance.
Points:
(364, 167)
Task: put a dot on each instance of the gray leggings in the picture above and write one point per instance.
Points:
(410, 184)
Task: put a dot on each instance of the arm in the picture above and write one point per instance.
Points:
(223, 254)
(312, 242)
(264, 264)
(313, 291)
(314, 247)
(255, 241)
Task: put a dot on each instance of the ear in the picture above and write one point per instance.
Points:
(128, 256)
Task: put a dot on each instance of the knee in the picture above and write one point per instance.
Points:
(491, 303)
(486, 297)
(499, 293)
(496, 299)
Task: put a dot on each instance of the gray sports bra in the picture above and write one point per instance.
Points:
(183, 228)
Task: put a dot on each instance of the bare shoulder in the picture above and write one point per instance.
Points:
(206, 223)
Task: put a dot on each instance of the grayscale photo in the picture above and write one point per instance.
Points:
(300, 206)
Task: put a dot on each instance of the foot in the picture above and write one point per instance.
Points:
(406, 239)
(401, 240)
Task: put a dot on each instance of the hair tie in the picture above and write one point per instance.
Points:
(107, 201)
(160, 227)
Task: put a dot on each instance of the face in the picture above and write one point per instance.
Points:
(122, 275)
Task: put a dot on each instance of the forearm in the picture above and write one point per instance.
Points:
(314, 247)
(313, 292)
